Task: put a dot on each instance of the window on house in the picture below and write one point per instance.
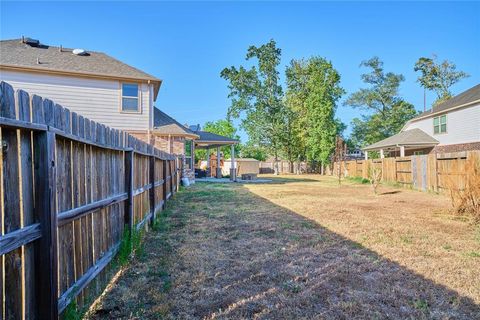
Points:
(440, 124)
(130, 97)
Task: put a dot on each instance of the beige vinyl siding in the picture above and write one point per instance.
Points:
(463, 126)
(96, 99)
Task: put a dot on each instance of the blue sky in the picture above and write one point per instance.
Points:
(187, 44)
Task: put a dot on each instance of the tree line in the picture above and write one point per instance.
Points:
(297, 121)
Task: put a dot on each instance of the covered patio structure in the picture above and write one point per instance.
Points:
(404, 143)
(208, 141)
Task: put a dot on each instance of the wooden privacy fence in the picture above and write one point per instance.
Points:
(284, 166)
(69, 188)
(433, 172)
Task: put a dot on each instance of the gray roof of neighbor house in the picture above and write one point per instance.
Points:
(212, 137)
(164, 124)
(413, 137)
(18, 55)
(466, 97)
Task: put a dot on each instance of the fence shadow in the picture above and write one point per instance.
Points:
(390, 192)
(282, 179)
(242, 256)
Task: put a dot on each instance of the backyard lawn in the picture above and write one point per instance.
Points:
(301, 247)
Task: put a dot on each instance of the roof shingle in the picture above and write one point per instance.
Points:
(15, 53)
(404, 138)
(164, 124)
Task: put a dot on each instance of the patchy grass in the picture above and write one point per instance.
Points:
(302, 247)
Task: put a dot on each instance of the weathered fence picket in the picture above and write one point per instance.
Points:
(69, 188)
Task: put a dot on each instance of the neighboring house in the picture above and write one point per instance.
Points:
(354, 154)
(171, 136)
(451, 126)
(94, 85)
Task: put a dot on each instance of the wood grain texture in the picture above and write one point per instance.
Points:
(69, 187)
(11, 207)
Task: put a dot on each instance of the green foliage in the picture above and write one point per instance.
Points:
(358, 180)
(250, 150)
(257, 96)
(125, 249)
(313, 91)
(438, 76)
(387, 112)
(72, 311)
(421, 304)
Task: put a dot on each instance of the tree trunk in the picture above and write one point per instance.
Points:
(321, 168)
(276, 164)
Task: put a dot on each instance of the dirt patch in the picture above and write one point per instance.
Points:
(302, 249)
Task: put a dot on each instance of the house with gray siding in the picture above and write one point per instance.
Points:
(92, 84)
(451, 126)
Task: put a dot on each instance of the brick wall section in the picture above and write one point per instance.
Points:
(175, 146)
(162, 143)
(141, 135)
(178, 145)
(457, 147)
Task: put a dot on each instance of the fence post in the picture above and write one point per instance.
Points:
(46, 264)
(164, 188)
(129, 220)
(436, 172)
(152, 189)
(177, 169)
(181, 163)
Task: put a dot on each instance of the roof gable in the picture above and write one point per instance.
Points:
(15, 53)
(164, 124)
(206, 136)
(404, 138)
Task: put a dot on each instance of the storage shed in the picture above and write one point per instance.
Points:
(243, 165)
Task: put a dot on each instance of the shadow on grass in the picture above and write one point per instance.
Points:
(242, 256)
(389, 192)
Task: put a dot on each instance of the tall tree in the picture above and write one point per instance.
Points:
(438, 76)
(257, 94)
(387, 112)
(313, 91)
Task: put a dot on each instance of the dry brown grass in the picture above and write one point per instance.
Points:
(303, 247)
(466, 199)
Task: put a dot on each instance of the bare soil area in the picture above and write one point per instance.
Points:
(302, 248)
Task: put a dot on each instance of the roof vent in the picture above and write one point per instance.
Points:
(31, 42)
(79, 52)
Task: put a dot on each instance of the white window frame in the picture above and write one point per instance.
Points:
(139, 109)
(440, 124)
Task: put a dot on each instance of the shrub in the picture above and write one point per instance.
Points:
(375, 175)
(359, 180)
(466, 200)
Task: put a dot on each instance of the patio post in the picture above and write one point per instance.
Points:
(209, 170)
(366, 155)
(233, 171)
(219, 170)
(381, 154)
(402, 151)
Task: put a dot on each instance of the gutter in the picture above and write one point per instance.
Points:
(398, 146)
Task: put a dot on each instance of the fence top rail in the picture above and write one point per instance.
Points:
(38, 114)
